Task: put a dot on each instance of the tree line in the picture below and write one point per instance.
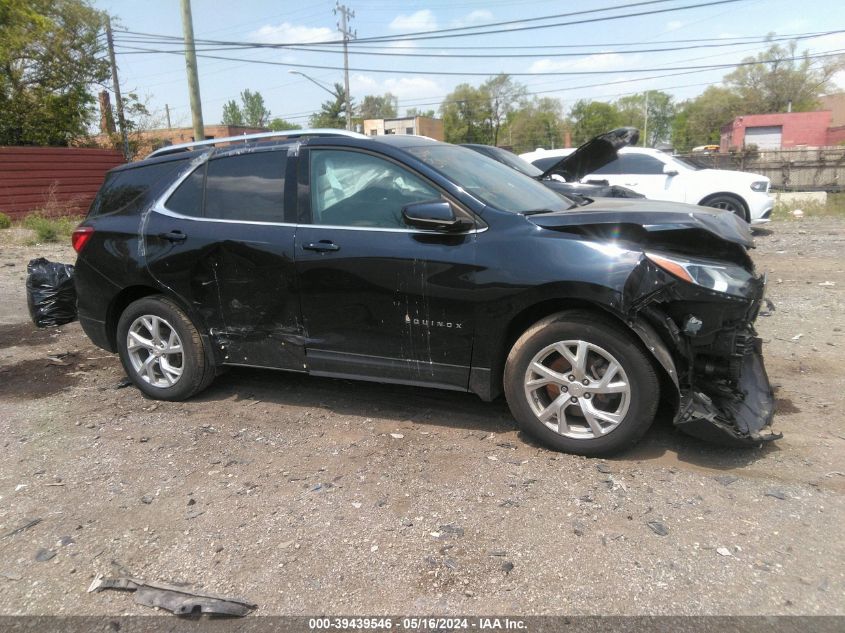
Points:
(52, 63)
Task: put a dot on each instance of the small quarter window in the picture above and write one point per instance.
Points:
(187, 199)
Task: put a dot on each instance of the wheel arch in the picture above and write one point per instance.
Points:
(489, 385)
(132, 293)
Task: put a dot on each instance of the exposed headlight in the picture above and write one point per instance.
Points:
(721, 277)
(760, 185)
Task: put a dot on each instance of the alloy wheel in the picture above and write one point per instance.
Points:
(577, 389)
(155, 351)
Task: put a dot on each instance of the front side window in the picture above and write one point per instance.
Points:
(248, 187)
(356, 189)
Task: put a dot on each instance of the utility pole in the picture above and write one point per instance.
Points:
(645, 126)
(167, 111)
(343, 27)
(191, 66)
(116, 83)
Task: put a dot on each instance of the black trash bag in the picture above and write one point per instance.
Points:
(50, 293)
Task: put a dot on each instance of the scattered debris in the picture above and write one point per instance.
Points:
(604, 469)
(453, 529)
(9, 575)
(726, 480)
(507, 567)
(124, 382)
(497, 552)
(777, 494)
(22, 528)
(43, 555)
(175, 599)
(147, 499)
(397, 436)
(797, 337)
(579, 529)
(658, 528)
(723, 551)
(797, 213)
(828, 283)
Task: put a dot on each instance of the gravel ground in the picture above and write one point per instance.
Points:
(309, 495)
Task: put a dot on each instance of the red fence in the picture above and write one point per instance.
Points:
(60, 180)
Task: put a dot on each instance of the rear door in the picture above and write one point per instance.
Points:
(221, 243)
(380, 300)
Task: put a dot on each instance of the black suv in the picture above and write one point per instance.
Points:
(404, 260)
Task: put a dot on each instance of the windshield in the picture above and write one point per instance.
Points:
(512, 160)
(490, 181)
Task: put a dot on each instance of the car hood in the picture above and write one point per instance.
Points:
(652, 216)
(593, 155)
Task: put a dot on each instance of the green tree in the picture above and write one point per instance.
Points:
(280, 125)
(466, 115)
(417, 112)
(378, 107)
(232, 114)
(50, 57)
(591, 118)
(332, 114)
(538, 123)
(661, 111)
(253, 108)
(699, 121)
(251, 111)
(786, 78)
(504, 94)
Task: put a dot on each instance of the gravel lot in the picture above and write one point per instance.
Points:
(309, 495)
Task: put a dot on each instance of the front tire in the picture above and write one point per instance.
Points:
(727, 202)
(161, 350)
(580, 383)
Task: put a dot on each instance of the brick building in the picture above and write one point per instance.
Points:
(420, 125)
(782, 130)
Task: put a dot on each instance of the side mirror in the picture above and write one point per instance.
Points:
(435, 215)
(669, 170)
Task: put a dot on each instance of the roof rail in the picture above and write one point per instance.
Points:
(169, 149)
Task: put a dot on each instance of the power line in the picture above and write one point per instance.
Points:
(562, 73)
(444, 55)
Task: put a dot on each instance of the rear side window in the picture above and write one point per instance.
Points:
(246, 187)
(128, 189)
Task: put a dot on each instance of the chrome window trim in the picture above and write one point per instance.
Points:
(160, 207)
(162, 210)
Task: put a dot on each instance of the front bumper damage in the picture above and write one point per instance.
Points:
(734, 416)
(712, 356)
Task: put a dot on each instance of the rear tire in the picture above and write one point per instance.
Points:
(161, 350)
(580, 383)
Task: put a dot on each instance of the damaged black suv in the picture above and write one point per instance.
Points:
(404, 260)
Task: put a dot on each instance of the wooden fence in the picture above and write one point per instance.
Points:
(801, 169)
(56, 180)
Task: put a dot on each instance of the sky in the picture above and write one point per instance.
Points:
(610, 53)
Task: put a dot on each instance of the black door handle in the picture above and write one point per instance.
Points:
(174, 236)
(322, 246)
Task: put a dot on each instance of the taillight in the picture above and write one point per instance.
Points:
(80, 237)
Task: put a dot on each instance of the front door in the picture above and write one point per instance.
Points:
(380, 300)
(221, 243)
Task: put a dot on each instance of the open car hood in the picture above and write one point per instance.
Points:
(593, 155)
(606, 216)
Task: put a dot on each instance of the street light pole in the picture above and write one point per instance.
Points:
(313, 81)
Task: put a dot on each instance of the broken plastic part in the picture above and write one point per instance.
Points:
(175, 599)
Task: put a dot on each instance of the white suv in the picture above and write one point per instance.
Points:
(660, 176)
